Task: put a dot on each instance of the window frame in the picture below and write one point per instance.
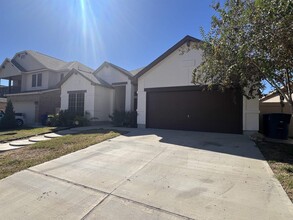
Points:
(76, 102)
(39, 80)
(34, 80)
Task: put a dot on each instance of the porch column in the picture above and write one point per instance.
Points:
(9, 85)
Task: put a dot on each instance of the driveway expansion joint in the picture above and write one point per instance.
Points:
(133, 201)
(90, 211)
(112, 192)
(153, 207)
(66, 181)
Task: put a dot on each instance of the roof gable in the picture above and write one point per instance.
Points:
(47, 61)
(121, 70)
(8, 69)
(89, 76)
(186, 39)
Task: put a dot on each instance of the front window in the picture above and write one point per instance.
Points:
(37, 80)
(76, 102)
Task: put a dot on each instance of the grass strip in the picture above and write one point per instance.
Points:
(23, 158)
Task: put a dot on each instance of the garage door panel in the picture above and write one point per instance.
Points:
(28, 109)
(211, 111)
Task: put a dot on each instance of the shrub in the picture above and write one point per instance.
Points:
(124, 119)
(80, 121)
(8, 121)
(66, 118)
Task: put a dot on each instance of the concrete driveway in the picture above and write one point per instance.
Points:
(150, 174)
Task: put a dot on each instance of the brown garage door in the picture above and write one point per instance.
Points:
(191, 108)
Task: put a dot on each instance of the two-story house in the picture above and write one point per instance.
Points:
(30, 80)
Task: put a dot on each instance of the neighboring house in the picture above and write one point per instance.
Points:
(167, 98)
(32, 82)
(99, 94)
(271, 104)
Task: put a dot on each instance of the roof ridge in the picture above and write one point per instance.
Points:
(34, 51)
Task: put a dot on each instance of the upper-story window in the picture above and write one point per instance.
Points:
(37, 80)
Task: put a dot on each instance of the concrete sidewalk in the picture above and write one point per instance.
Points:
(150, 174)
(15, 144)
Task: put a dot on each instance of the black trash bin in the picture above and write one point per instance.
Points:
(44, 118)
(276, 125)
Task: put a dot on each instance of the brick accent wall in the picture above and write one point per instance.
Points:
(49, 102)
(2, 104)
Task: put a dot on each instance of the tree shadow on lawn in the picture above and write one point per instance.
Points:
(277, 152)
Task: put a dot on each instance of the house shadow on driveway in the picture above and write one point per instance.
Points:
(233, 144)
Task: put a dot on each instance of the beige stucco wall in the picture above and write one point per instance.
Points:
(74, 83)
(104, 100)
(98, 100)
(54, 78)
(250, 114)
(26, 83)
(112, 75)
(176, 70)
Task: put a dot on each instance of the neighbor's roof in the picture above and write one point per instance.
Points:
(136, 71)
(125, 72)
(16, 65)
(89, 76)
(271, 95)
(52, 63)
(186, 39)
(78, 66)
(47, 61)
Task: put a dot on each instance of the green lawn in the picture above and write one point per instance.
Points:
(280, 159)
(24, 132)
(23, 158)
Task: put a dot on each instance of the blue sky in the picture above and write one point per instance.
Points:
(128, 33)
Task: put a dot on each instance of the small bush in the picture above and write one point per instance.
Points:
(66, 118)
(80, 121)
(124, 119)
(8, 121)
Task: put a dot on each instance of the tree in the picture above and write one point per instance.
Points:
(8, 121)
(250, 42)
